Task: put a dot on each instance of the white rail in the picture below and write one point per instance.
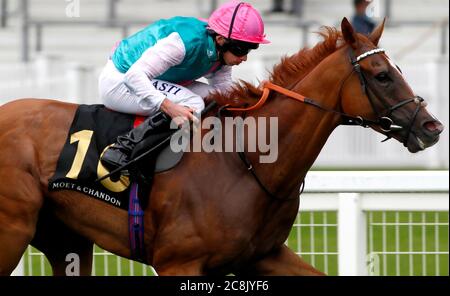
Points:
(360, 192)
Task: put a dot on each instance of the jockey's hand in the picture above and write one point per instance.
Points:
(179, 114)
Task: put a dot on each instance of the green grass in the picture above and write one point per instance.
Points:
(320, 239)
(305, 240)
(413, 238)
(416, 238)
(113, 266)
(103, 265)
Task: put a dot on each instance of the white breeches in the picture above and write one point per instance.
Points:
(116, 96)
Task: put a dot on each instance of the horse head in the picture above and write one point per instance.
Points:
(376, 89)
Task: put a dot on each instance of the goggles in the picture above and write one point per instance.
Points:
(240, 48)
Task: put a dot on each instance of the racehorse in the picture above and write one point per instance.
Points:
(211, 214)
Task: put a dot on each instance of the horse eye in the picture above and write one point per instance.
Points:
(382, 77)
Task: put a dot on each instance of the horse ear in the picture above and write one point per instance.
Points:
(377, 32)
(349, 33)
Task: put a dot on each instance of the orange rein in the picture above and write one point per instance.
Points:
(268, 86)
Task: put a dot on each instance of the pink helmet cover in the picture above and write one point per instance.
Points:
(248, 25)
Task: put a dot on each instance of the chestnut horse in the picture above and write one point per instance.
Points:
(209, 215)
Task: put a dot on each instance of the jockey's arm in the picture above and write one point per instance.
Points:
(155, 61)
(222, 79)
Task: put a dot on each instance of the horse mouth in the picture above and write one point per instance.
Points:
(417, 144)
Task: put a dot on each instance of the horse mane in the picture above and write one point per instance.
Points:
(291, 69)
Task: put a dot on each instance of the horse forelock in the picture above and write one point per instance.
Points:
(291, 70)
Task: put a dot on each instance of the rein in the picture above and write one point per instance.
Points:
(385, 123)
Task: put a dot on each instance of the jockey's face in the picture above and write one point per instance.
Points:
(229, 58)
(232, 60)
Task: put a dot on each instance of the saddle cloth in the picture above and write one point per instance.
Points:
(93, 129)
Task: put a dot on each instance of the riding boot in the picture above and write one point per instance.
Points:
(120, 152)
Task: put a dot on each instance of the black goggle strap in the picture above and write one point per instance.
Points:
(233, 19)
(236, 49)
(226, 47)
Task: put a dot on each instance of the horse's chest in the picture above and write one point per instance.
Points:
(272, 231)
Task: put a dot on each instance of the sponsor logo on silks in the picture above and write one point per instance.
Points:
(210, 53)
(166, 87)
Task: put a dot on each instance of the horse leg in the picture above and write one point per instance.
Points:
(20, 202)
(282, 261)
(75, 249)
(61, 245)
(194, 268)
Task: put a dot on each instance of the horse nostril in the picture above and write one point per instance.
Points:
(434, 127)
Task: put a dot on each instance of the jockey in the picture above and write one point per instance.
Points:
(154, 72)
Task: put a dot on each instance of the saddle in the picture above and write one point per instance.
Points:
(93, 129)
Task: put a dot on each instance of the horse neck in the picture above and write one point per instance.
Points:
(303, 129)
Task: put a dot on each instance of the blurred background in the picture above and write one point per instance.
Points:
(57, 48)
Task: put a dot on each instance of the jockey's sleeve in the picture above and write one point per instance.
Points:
(222, 79)
(156, 60)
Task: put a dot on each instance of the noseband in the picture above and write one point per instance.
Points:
(385, 123)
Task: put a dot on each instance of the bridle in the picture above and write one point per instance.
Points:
(385, 123)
